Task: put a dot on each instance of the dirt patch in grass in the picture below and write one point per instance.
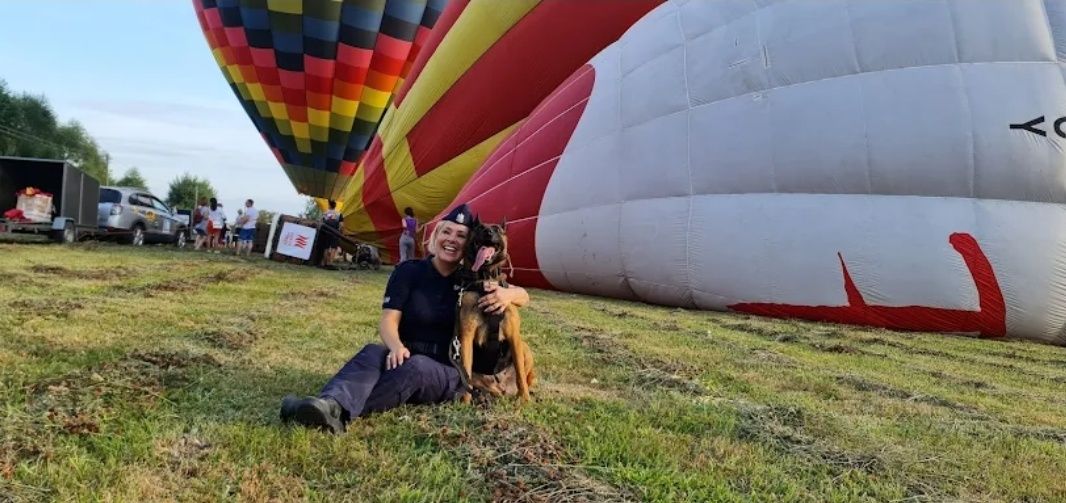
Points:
(1055, 435)
(787, 334)
(884, 342)
(314, 294)
(1013, 355)
(37, 307)
(762, 330)
(861, 384)
(179, 285)
(844, 349)
(654, 377)
(978, 363)
(615, 312)
(519, 461)
(772, 358)
(969, 383)
(235, 274)
(90, 274)
(233, 334)
(670, 326)
(982, 428)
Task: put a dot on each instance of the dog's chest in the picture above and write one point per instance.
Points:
(492, 332)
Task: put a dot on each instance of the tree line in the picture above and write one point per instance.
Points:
(29, 128)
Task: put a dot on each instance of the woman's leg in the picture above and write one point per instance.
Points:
(353, 383)
(419, 380)
(362, 386)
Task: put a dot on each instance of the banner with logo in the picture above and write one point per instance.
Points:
(296, 240)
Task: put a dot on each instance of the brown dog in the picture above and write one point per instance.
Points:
(490, 343)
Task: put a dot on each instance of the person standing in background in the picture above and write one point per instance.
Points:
(332, 219)
(216, 221)
(246, 228)
(199, 223)
(407, 237)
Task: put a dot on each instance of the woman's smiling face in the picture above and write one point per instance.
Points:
(450, 240)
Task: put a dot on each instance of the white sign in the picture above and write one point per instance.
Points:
(296, 240)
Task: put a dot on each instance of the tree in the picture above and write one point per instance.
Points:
(29, 128)
(311, 210)
(132, 178)
(265, 217)
(186, 188)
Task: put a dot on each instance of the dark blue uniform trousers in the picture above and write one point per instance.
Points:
(363, 385)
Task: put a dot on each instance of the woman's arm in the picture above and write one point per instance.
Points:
(497, 298)
(389, 330)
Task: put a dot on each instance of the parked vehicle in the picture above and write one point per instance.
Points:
(140, 217)
(80, 208)
(72, 215)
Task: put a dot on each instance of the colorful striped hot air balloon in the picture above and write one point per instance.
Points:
(887, 163)
(488, 64)
(315, 76)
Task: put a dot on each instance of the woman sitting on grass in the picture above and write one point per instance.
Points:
(416, 328)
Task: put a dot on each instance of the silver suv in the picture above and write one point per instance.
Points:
(140, 217)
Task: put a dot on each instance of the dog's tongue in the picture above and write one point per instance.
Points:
(484, 253)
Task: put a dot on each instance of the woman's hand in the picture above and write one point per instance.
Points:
(497, 298)
(396, 357)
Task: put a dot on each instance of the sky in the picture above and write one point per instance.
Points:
(139, 76)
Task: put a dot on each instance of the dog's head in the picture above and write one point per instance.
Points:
(486, 249)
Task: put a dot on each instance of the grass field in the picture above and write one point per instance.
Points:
(155, 374)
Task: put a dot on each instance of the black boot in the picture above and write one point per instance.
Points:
(313, 412)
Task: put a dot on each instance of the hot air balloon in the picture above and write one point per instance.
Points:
(487, 65)
(885, 163)
(315, 76)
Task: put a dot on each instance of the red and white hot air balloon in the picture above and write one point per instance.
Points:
(886, 163)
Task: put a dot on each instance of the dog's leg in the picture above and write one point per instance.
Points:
(531, 375)
(511, 328)
(469, 320)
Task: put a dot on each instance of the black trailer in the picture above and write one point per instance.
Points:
(75, 197)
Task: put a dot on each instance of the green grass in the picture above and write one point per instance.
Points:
(155, 374)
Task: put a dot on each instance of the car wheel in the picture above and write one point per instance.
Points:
(181, 239)
(137, 235)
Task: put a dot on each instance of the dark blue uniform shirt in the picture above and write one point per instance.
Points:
(427, 301)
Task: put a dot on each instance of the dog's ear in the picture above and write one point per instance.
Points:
(476, 223)
(503, 224)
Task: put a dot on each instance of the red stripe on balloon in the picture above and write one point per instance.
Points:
(990, 320)
(377, 196)
(511, 183)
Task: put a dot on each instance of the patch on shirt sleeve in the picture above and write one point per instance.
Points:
(387, 299)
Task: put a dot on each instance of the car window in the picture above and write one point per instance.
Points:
(140, 200)
(110, 196)
(160, 205)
